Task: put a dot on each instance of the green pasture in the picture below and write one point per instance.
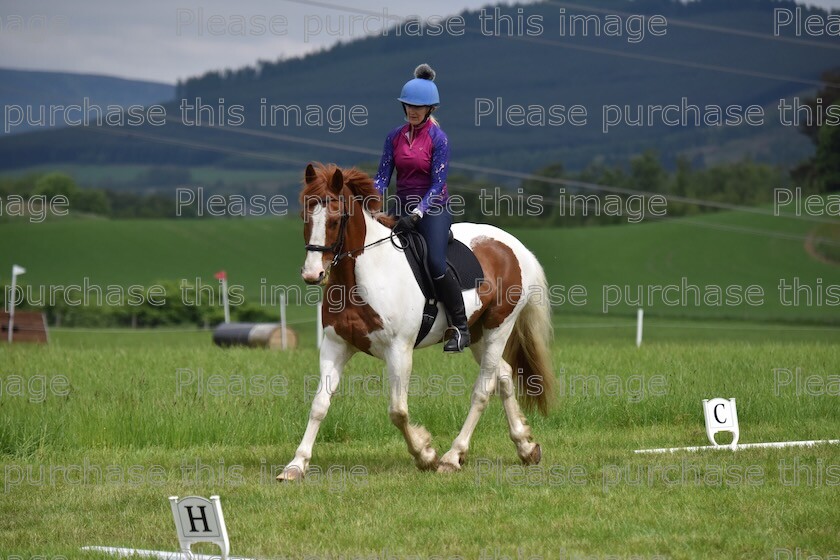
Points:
(94, 439)
(99, 427)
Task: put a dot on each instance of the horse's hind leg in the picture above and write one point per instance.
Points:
(417, 438)
(520, 432)
(493, 345)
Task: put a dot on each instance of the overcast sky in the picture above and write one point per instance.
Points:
(162, 40)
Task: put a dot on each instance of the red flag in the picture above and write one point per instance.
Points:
(221, 275)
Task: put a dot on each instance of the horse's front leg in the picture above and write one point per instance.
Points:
(418, 438)
(334, 355)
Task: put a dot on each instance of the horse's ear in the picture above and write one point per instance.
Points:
(309, 176)
(337, 182)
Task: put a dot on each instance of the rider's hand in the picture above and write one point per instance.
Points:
(407, 223)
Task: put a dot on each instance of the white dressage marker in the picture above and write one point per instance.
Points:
(197, 519)
(722, 416)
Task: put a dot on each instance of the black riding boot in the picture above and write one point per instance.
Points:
(449, 293)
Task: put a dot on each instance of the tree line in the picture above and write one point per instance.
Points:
(108, 203)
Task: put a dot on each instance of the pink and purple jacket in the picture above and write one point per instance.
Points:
(422, 162)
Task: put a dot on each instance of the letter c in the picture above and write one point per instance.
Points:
(716, 414)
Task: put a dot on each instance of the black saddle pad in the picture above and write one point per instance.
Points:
(464, 263)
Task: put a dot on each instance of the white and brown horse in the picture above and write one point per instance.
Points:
(348, 249)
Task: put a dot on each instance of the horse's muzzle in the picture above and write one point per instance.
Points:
(313, 279)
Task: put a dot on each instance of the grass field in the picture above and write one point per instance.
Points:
(151, 422)
(101, 426)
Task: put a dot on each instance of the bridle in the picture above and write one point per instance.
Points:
(338, 245)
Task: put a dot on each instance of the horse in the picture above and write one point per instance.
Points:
(348, 249)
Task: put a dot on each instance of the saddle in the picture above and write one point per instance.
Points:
(459, 258)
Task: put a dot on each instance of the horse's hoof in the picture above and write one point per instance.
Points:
(429, 464)
(534, 457)
(293, 474)
(448, 468)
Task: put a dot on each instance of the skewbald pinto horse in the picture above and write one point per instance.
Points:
(349, 248)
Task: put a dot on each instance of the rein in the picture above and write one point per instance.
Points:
(371, 244)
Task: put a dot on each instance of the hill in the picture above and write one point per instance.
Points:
(20, 89)
(728, 251)
(714, 54)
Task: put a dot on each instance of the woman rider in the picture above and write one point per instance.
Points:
(420, 152)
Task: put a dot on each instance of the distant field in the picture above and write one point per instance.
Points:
(723, 249)
(727, 250)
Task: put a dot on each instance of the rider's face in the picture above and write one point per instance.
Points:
(416, 113)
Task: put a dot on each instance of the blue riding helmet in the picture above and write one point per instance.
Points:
(422, 89)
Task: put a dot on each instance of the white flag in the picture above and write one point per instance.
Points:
(17, 270)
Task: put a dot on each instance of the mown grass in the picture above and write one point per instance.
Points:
(590, 495)
(125, 412)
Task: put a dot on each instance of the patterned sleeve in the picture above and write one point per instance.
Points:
(440, 168)
(386, 164)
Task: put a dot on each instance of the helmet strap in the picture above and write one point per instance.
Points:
(428, 114)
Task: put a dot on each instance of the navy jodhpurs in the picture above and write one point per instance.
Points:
(434, 227)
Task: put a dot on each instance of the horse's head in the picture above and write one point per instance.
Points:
(325, 212)
(333, 202)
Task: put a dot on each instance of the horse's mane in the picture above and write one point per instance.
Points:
(361, 187)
